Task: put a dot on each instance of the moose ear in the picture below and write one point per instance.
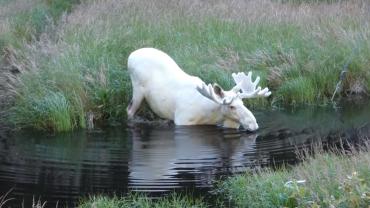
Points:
(218, 90)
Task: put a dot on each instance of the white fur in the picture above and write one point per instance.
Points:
(172, 94)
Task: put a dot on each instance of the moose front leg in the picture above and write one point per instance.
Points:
(137, 98)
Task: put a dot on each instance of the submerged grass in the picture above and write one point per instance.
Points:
(298, 49)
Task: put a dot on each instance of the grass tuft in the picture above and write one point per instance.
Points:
(135, 200)
(47, 111)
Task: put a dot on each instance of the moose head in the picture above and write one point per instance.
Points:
(231, 102)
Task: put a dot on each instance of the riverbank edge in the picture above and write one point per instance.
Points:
(342, 179)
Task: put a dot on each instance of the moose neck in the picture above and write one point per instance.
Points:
(211, 112)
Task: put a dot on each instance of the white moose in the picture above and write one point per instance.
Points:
(187, 100)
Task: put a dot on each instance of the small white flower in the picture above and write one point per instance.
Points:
(365, 195)
(290, 184)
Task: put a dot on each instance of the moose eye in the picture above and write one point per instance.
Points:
(232, 107)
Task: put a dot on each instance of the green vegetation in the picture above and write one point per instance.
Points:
(49, 110)
(331, 180)
(326, 179)
(25, 20)
(298, 49)
(174, 200)
(21, 25)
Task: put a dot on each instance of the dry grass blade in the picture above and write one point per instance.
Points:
(3, 198)
(38, 204)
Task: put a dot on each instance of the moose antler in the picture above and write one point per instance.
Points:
(248, 88)
(208, 91)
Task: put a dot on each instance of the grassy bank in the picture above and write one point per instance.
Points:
(326, 179)
(331, 180)
(78, 67)
(22, 23)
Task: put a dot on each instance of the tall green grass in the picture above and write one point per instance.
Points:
(49, 111)
(298, 54)
(22, 23)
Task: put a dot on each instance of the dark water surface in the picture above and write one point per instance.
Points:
(159, 159)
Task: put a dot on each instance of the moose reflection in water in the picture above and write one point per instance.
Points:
(160, 154)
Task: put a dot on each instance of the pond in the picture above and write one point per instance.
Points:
(157, 159)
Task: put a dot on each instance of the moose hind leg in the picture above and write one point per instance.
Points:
(137, 98)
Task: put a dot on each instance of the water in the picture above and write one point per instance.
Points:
(158, 159)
